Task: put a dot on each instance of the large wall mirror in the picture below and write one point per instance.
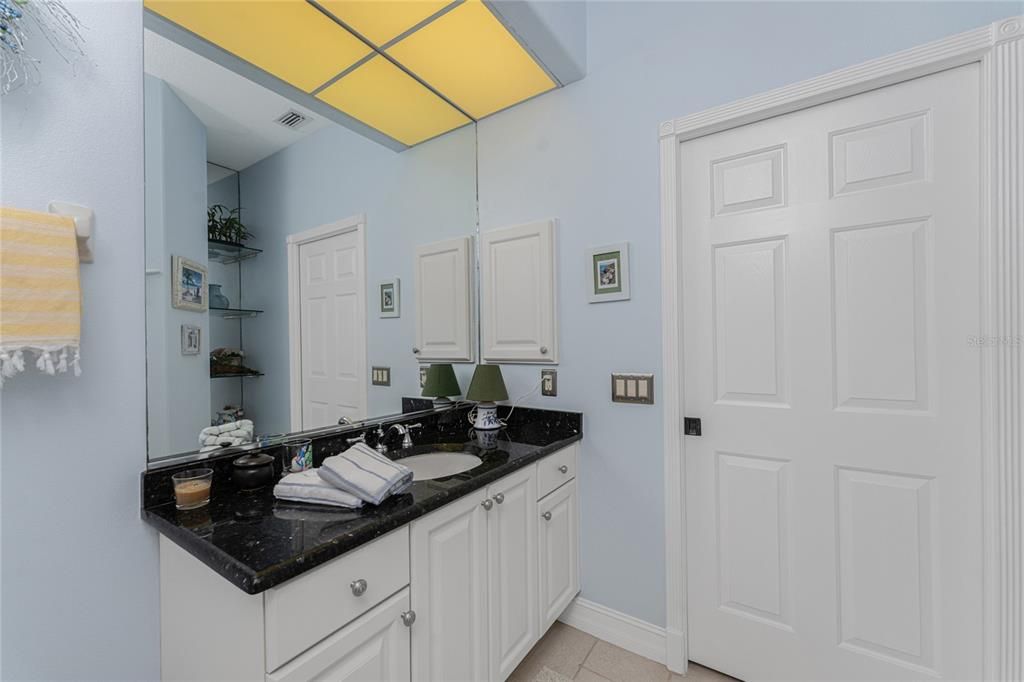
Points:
(310, 239)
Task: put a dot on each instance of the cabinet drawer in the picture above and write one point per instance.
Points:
(556, 469)
(303, 611)
(374, 647)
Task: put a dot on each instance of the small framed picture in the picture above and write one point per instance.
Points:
(608, 273)
(190, 339)
(390, 298)
(188, 285)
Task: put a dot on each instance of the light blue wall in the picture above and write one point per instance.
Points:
(588, 155)
(417, 197)
(79, 586)
(179, 385)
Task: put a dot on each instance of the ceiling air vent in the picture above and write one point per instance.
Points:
(292, 119)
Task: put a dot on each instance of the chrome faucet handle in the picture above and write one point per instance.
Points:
(361, 438)
(381, 446)
(405, 430)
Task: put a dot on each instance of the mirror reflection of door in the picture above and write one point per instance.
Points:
(332, 327)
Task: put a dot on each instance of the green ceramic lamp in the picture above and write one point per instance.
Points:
(440, 384)
(486, 387)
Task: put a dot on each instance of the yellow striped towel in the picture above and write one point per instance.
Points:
(40, 298)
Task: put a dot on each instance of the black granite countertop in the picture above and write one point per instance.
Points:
(256, 541)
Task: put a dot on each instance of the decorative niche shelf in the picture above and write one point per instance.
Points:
(234, 313)
(233, 375)
(229, 252)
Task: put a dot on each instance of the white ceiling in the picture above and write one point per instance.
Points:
(239, 115)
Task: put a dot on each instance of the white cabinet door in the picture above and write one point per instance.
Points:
(449, 572)
(517, 292)
(444, 309)
(559, 552)
(512, 571)
(373, 648)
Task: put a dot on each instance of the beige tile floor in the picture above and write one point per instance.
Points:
(566, 653)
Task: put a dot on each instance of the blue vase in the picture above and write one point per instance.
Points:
(217, 299)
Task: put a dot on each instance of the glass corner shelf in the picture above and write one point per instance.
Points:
(229, 375)
(221, 251)
(234, 313)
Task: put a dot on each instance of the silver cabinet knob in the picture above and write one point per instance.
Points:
(499, 498)
(487, 504)
(408, 618)
(543, 350)
(546, 516)
(564, 469)
(416, 351)
(358, 587)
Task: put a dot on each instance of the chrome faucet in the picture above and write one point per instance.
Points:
(404, 430)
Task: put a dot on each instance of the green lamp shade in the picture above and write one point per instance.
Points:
(441, 382)
(487, 384)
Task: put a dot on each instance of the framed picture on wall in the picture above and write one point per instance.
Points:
(390, 298)
(608, 273)
(191, 338)
(188, 285)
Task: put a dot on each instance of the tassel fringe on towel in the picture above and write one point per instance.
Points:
(50, 361)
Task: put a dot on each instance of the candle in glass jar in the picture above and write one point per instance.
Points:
(192, 488)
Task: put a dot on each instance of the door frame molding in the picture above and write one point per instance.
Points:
(999, 49)
(356, 223)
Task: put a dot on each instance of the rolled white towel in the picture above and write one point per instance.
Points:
(307, 486)
(366, 474)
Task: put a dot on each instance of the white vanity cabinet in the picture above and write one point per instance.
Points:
(462, 593)
(496, 538)
(518, 315)
(559, 552)
(444, 301)
(449, 567)
(373, 647)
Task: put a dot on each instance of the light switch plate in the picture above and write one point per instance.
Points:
(423, 376)
(633, 388)
(549, 382)
(380, 376)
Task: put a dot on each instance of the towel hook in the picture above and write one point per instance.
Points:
(84, 221)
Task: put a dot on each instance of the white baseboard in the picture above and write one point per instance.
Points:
(632, 634)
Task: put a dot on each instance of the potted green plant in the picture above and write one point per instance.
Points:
(225, 224)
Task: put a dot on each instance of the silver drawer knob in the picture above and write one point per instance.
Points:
(358, 587)
(546, 516)
(543, 350)
(408, 618)
(416, 351)
(564, 469)
(487, 504)
(499, 498)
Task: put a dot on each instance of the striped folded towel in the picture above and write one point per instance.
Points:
(365, 473)
(40, 298)
(306, 486)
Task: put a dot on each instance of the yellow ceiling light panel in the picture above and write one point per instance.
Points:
(290, 39)
(382, 20)
(386, 98)
(470, 57)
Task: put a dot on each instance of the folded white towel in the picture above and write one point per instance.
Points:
(307, 486)
(368, 475)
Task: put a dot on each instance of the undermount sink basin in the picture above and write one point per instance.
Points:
(433, 465)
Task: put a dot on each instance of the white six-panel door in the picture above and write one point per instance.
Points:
(332, 320)
(830, 285)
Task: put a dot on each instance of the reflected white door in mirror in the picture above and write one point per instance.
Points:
(327, 323)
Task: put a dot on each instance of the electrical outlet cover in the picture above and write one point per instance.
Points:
(548, 382)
